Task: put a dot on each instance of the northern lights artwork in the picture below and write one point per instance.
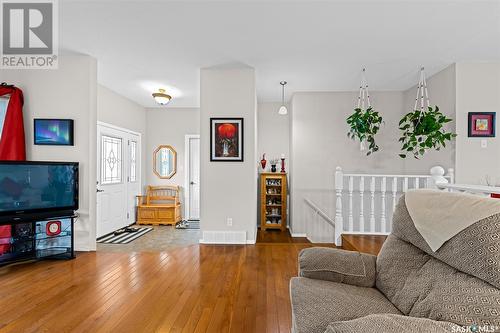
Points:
(56, 132)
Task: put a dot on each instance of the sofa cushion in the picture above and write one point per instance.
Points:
(391, 323)
(478, 245)
(337, 265)
(317, 303)
(421, 286)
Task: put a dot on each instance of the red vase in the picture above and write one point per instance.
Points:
(263, 162)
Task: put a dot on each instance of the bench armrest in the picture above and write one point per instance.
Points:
(349, 267)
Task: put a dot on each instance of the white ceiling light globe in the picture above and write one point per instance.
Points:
(283, 110)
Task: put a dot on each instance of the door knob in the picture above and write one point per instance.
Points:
(192, 183)
(98, 190)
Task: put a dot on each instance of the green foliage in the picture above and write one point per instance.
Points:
(363, 126)
(423, 130)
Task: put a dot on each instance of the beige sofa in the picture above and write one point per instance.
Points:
(407, 288)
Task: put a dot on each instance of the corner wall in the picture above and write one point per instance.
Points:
(228, 189)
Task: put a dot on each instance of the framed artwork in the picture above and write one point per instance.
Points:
(53, 132)
(226, 139)
(481, 124)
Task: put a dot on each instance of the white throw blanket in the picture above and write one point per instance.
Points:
(439, 216)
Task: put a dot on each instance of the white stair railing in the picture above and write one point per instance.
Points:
(352, 187)
(470, 189)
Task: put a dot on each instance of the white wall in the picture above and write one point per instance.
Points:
(478, 90)
(273, 133)
(117, 110)
(442, 88)
(68, 92)
(228, 189)
(168, 126)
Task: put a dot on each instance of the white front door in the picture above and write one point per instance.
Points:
(118, 178)
(193, 177)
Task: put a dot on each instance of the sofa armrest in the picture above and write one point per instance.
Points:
(392, 323)
(337, 265)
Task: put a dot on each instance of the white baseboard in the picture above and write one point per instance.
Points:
(224, 237)
(298, 235)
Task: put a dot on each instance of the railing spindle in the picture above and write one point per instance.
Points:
(405, 185)
(417, 183)
(394, 193)
(361, 203)
(351, 190)
(383, 187)
(372, 204)
(339, 220)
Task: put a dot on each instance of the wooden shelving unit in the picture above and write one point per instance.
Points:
(273, 195)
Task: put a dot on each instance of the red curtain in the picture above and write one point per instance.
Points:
(12, 145)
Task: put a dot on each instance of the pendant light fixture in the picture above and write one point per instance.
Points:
(283, 110)
(161, 97)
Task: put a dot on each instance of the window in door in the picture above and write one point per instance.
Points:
(111, 157)
(133, 161)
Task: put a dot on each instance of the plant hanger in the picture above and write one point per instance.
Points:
(423, 127)
(364, 95)
(364, 123)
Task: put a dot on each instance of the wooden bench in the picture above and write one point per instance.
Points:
(160, 205)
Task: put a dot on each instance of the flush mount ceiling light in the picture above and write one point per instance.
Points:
(161, 97)
(283, 110)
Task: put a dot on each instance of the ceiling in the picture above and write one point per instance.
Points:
(314, 45)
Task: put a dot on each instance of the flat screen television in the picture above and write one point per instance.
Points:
(30, 188)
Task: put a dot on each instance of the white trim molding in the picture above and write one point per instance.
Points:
(187, 155)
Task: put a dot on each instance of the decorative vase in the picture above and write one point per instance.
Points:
(263, 162)
(273, 167)
(283, 165)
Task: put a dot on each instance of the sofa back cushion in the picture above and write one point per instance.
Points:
(475, 250)
(420, 285)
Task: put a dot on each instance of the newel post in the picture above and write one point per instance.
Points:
(451, 175)
(339, 221)
(437, 176)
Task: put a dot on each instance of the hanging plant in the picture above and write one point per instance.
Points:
(423, 128)
(364, 123)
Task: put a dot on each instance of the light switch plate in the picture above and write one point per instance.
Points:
(484, 143)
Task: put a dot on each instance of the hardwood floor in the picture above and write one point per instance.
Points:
(197, 288)
(363, 243)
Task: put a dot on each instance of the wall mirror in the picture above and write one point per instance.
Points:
(165, 162)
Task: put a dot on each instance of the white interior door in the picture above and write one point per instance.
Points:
(118, 178)
(193, 177)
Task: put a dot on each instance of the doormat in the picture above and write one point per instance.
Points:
(123, 238)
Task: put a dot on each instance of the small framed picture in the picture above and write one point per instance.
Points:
(53, 132)
(226, 139)
(481, 124)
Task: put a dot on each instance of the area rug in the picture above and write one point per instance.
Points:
(123, 238)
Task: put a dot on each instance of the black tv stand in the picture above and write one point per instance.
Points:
(37, 237)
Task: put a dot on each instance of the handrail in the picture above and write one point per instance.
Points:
(469, 188)
(320, 212)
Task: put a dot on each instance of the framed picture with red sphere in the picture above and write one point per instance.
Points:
(226, 139)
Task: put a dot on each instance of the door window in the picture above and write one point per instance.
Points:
(111, 160)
